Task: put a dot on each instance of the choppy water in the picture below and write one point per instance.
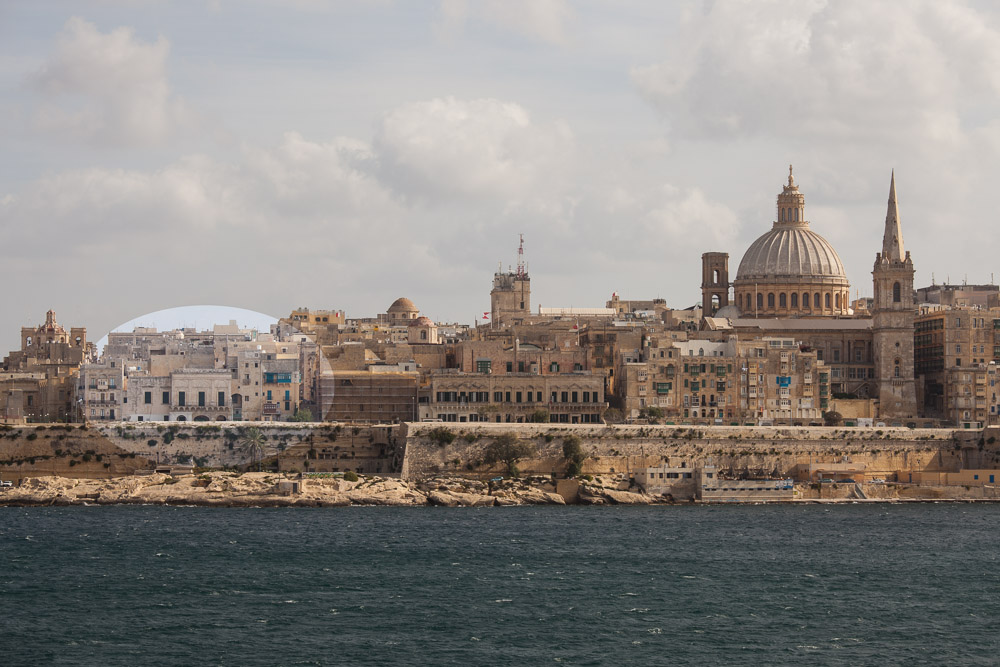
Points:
(842, 585)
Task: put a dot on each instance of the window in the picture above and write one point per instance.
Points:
(760, 301)
(782, 300)
(896, 296)
(201, 399)
(805, 299)
(148, 398)
(510, 366)
(269, 394)
(222, 399)
(770, 300)
(827, 301)
(795, 300)
(181, 399)
(166, 398)
(575, 397)
(517, 397)
(816, 301)
(483, 366)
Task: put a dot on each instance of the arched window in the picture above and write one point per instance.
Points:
(816, 302)
(782, 215)
(896, 296)
(796, 215)
(760, 300)
(715, 276)
(423, 335)
(770, 300)
(836, 300)
(895, 371)
(795, 299)
(782, 300)
(805, 299)
(827, 299)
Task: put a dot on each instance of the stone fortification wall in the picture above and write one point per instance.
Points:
(363, 447)
(786, 451)
(49, 449)
(74, 451)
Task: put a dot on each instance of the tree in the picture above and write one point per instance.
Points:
(613, 416)
(507, 449)
(653, 413)
(833, 418)
(252, 445)
(573, 453)
(539, 416)
(302, 415)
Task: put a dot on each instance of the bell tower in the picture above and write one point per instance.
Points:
(892, 318)
(714, 282)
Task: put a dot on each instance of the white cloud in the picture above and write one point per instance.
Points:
(107, 88)
(445, 148)
(844, 71)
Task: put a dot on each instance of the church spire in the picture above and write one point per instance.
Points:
(892, 240)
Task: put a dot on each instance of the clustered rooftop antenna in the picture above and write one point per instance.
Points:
(520, 257)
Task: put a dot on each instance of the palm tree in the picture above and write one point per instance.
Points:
(252, 445)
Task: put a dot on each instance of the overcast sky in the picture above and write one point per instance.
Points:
(275, 154)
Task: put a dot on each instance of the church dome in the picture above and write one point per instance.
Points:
(791, 271)
(790, 251)
(422, 321)
(402, 305)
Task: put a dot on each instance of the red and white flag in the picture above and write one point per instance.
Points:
(486, 315)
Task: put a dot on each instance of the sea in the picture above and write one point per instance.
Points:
(865, 584)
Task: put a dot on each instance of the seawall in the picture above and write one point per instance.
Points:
(785, 451)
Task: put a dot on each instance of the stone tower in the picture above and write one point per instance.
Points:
(714, 282)
(510, 298)
(892, 319)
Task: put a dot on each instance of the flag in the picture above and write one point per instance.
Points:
(486, 315)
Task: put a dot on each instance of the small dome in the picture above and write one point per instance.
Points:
(790, 251)
(402, 305)
(422, 321)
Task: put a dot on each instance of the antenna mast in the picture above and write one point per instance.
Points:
(520, 258)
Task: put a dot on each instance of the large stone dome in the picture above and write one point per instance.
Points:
(790, 251)
(791, 271)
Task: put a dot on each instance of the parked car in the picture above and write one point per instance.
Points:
(6, 484)
(826, 480)
(877, 480)
(846, 481)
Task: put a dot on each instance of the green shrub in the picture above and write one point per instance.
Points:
(32, 436)
(350, 476)
(151, 442)
(441, 435)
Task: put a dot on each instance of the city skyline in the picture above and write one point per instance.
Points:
(339, 156)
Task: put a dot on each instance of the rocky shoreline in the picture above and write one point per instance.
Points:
(268, 489)
(228, 489)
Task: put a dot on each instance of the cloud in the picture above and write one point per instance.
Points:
(539, 20)
(445, 148)
(107, 88)
(846, 71)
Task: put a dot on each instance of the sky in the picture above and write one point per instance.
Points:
(269, 155)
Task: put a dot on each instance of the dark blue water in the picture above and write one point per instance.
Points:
(842, 585)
